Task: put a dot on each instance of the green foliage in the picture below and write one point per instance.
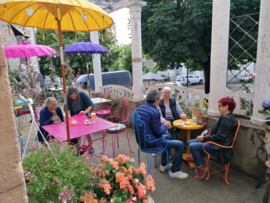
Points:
(109, 62)
(15, 73)
(175, 32)
(126, 58)
(47, 180)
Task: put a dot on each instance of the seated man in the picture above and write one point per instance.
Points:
(153, 127)
(49, 115)
(222, 133)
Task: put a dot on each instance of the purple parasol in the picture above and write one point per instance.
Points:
(87, 48)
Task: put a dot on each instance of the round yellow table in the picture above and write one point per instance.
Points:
(188, 129)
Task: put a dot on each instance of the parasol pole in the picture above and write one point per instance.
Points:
(63, 77)
(89, 88)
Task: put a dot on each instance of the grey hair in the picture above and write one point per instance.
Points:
(49, 99)
(152, 96)
(166, 88)
(72, 90)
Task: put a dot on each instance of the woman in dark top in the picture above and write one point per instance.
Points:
(222, 133)
(79, 103)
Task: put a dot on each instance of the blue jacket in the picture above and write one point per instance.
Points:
(84, 100)
(151, 117)
(46, 119)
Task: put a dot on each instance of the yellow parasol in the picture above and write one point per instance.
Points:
(61, 15)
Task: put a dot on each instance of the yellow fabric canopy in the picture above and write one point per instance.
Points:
(45, 12)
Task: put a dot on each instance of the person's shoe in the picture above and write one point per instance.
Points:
(200, 173)
(189, 159)
(179, 175)
(162, 169)
(170, 157)
(154, 155)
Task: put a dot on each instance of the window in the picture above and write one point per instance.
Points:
(190, 76)
(196, 76)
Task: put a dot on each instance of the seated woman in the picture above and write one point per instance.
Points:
(49, 115)
(79, 103)
(222, 133)
(169, 110)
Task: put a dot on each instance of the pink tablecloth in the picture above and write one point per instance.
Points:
(59, 130)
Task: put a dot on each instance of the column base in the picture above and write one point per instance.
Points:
(213, 113)
(258, 122)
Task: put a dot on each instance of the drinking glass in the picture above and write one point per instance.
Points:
(93, 116)
(73, 122)
(184, 117)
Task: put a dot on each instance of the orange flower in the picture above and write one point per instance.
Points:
(115, 165)
(144, 201)
(153, 189)
(123, 185)
(124, 169)
(129, 177)
(107, 188)
(104, 159)
(130, 189)
(121, 158)
(130, 170)
(94, 201)
(149, 182)
(119, 177)
(142, 169)
(103, 200)
(141, 189)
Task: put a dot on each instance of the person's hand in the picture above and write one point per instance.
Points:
(163, 121)
(82, 112)
(204, 133)
(200, 138)
(168, 124)
(56, 118)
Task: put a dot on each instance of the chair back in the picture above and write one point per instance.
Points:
(236, 132)
(123, 110)
(138, 124)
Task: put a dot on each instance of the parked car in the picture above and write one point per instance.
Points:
(122, 78)
(193, 79)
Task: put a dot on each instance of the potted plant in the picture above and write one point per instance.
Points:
(120, 181)
(266, 111)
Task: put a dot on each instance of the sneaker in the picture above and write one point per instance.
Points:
(179, 175)
(200, 173)
(154, 155)
(162, 169)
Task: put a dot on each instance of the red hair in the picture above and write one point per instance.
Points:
(228, 101)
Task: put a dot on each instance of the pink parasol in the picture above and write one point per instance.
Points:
(26, 50)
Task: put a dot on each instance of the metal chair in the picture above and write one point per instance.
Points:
(122, 119)
(139, 127)
(104, 109)
(208, 157)
(26, 147)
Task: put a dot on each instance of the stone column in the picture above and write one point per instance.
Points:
(12, 187)
(219, 53)
(135, 9)
(262, 79)
(96, 63)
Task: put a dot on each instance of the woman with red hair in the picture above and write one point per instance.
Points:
(222, 133)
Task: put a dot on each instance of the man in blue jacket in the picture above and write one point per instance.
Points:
(151, 117)
(49, 115)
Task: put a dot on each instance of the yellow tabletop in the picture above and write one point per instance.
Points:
(187, 127)
(18, 107)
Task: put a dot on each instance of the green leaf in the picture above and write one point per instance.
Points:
(117, 193)
(100, 193)
(129, 163)
(117, 200)
(116, 185)
(108, 166)
(139, 177)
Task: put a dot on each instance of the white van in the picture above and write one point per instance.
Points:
(193, 79)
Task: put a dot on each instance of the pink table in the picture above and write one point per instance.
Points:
(59, 130)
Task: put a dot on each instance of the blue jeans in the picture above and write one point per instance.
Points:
(179, 147)
(173, 132)
(196, 149)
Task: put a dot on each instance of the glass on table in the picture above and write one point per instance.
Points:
(73, 122)
(93, 116)
(184, 117)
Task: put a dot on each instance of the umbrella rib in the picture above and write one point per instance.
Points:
(45, 20)
(11, 7)
(72, 21)
(83, 21)
(21, 11)
(32, 14)
(93, 19)
(102, 18)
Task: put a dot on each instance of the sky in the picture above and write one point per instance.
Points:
(121, 20)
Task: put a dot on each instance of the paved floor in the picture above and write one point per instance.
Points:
(242, 188)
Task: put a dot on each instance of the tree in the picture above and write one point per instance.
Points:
(76, 61)
(126, 58)
(176, 32)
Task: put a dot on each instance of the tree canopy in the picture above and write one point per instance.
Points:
(177, 32)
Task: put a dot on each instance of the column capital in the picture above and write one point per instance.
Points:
(132, 4)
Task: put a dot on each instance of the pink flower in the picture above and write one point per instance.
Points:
(50, 140)
(60, 183)
(46, 160)
(32, 175)
(65, 187)
(53, 183)
(55, 156)
(44, 166)
(83, 171)
(68, 174)
(44, 188)
(31, 179)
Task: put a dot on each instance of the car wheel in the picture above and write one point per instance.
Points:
(200, 82)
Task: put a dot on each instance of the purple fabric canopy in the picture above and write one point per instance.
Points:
(85, 47)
